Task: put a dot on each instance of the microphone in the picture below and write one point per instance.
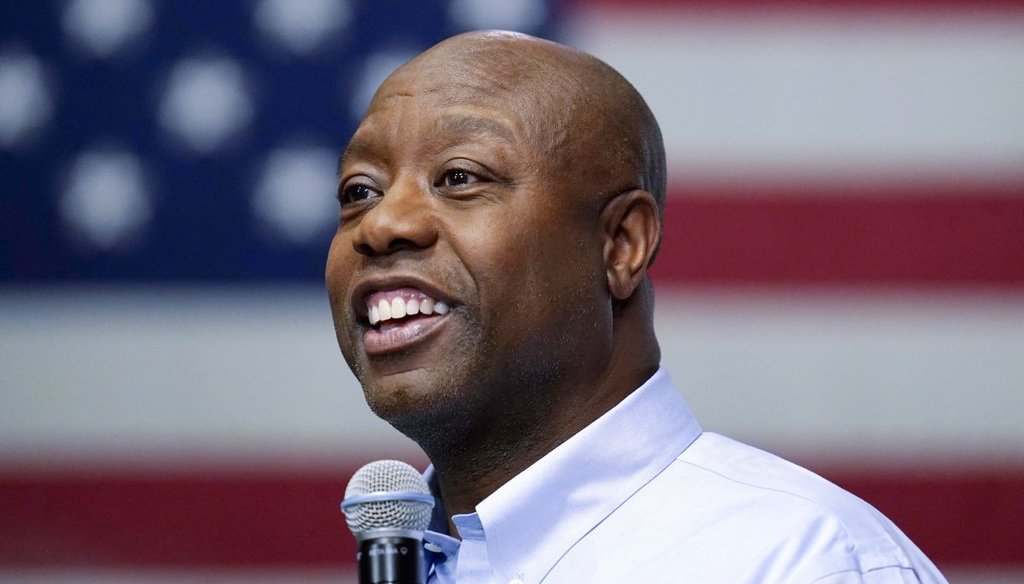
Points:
(387, 507)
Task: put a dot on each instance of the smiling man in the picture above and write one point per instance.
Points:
(500, 205)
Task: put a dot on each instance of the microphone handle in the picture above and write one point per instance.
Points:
(391, 560)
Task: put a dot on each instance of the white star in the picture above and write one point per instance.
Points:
(25, 103)
(205, 102)
(106, 200)
(104, 27)
(301, 25)
(520, 15)
(295, 193)
(376, 69)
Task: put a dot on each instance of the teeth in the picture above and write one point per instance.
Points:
(398, 307)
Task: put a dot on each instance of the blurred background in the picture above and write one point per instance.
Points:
(841, 282)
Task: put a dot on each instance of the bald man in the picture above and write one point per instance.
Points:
(501, 203)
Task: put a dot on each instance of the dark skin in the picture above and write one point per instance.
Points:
(520, 182)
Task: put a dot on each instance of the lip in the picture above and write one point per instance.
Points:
(404, 336)
(393, 282)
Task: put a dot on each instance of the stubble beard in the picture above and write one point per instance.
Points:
(440, 411)
(485, 404)
(479, 406)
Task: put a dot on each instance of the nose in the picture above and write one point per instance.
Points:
(401, 220)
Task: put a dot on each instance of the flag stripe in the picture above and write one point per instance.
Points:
(784, 95)
(939, 510)
(184, 519)
(928, 6)
(217, 519)
(235, 376)
(835, 234)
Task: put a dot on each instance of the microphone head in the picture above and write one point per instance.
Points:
(387, 495)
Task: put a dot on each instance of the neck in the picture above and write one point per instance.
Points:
(500, 441)
(505, 445)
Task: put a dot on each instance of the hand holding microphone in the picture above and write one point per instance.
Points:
(387, 507)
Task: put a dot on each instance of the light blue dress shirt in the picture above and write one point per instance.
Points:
(643, 495)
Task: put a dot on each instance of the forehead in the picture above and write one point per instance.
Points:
(406, 116)
(385, 136)
(452, 102)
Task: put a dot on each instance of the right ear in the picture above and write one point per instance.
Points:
(631, 224)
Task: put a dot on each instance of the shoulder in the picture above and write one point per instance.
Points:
(812, 528)
(735, 513)
(719, 469)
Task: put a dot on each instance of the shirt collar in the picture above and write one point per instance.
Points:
(531, 521)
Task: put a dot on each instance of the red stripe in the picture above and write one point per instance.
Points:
(954, 517)
(966, 236)
(204, 519)
(209, 519)
(757, 6)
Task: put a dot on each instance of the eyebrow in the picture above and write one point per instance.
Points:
(356, 147)
(474, 125)
(460, 125)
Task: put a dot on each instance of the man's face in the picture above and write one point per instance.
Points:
(450, 207)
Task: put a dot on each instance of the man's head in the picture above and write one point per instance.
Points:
(515, 186)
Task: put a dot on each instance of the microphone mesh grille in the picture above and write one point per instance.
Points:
(387, 476)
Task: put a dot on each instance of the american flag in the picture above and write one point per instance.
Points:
(841, 281)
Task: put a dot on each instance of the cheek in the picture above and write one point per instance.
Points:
(530, 270)
(336, 277)
(503, 253)
(333, 273)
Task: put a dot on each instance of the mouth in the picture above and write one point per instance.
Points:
(400, 317)
(393, 307)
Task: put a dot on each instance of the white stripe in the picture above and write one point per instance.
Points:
(923, 377)
(178, 372)
(788, 95)
(251, 374)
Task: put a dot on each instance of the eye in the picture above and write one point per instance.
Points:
(457, 177)
(355, 193)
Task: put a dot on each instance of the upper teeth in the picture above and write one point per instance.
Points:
(399, 307)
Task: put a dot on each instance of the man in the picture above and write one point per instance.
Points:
(500, 205)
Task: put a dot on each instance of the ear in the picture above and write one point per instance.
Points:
(631, 226)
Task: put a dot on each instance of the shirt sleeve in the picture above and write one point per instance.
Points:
(875, 552)
(890, 575)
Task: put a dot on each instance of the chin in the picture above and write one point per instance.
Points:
(399, 395)
(426, 410)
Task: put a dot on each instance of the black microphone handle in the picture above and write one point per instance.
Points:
(391, 560)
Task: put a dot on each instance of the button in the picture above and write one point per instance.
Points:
(433, 547)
